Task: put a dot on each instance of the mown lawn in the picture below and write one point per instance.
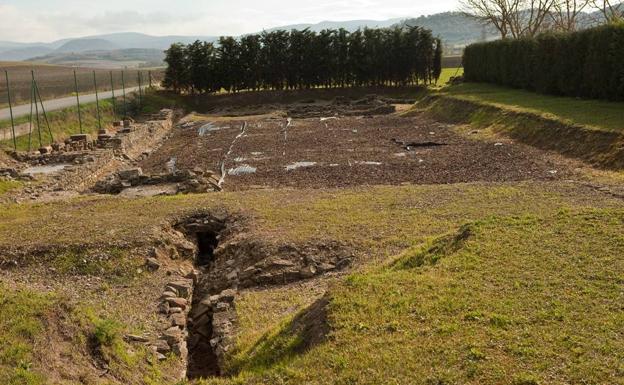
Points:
(446, 75)
(594, 113)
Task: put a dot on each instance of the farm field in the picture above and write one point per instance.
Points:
(364, 241)
(58, 81)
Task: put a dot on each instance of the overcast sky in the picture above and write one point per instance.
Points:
(48, 20)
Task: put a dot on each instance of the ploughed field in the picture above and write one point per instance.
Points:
(271, 151)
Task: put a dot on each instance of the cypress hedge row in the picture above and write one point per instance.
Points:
(304, 59)
(588, 63)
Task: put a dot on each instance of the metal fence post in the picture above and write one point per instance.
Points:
(30, 119)
(97, 102)
(6, 74)
(123, 88)
(45, 115)
(77, 101)
(140, 95)
(36, 109)
(113, 92)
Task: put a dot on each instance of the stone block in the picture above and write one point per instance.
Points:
(79, 138)
(130, 174)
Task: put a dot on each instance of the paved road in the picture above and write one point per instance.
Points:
(59, 104)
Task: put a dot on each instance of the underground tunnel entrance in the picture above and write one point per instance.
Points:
(205, 231)
(207, 242)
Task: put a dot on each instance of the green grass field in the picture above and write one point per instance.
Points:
(446, 75)
(482, 305)
(594, 113)
(468, 283)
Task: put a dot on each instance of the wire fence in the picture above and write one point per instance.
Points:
(27, 100)
(56, 81)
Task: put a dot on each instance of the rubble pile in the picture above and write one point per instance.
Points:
(342, 106)
(196, 181)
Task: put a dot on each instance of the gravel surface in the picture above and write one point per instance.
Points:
(350, 151)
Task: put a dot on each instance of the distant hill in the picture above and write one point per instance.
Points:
(130, 57)
(349, 25)
(454, 28)
(86, 44)
(19, 54)
(126, 40)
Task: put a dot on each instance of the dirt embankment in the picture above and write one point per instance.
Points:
(601, 148)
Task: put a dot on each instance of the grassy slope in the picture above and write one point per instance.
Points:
(594, 113)
(21, 315)
(447, 74)
(394, 323)
(532, 299)
(63, 123)
(381, 219)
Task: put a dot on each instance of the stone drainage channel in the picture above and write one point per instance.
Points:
(198, 311)
(200, 321)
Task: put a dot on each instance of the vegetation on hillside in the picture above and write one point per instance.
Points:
(304, 59)
(517, 300)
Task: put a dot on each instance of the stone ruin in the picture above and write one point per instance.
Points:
(341, 106)
(196, 181)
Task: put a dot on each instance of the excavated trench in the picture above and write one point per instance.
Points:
(205, 231)
(226, 260)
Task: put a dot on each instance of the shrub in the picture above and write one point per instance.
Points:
(587, 63)
(106, 332)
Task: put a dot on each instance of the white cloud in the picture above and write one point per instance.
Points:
(29, 20)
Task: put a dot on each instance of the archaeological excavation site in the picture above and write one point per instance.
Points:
(354, 236)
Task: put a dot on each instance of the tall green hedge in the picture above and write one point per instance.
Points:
(587, 63)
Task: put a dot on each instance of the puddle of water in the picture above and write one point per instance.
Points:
(47, 169)
(206, 128)
(334, 165)
(329, 118)
(241, 170)
(369, 163)
(297, 165)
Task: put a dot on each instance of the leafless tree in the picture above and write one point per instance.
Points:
(565, 13)
(611, 10)
(512, 18)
